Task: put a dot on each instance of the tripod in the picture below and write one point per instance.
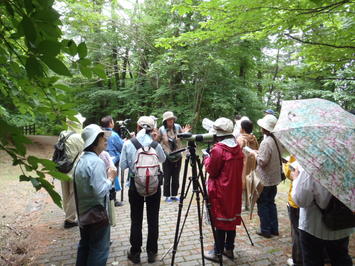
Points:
(198, 183)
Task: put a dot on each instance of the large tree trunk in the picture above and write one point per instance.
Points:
(124, 68)
(115, 66)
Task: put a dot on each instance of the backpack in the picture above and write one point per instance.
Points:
(336, 216)
(147, 174)
(64, 165)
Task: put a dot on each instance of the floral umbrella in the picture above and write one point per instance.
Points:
(322, 137)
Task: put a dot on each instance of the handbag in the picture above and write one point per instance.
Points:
(95, 215)
(283, 176)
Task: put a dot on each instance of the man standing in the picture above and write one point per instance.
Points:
(145, 136)
(74, 146)
(114, 148)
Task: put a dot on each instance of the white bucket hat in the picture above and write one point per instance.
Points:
(268, 122)
(90, 133)
(222, 127)
(168, 115)
(76, 126)
(146, 121)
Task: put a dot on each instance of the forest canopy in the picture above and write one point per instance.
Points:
(196, 58)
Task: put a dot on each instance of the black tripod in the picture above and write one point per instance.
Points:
(198, 184)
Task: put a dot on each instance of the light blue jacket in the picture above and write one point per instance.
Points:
(91, 182)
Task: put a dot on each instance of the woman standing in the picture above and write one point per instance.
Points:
(268, 168)
(91, 188)
(170, 142)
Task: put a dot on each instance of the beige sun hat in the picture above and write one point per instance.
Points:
(146, 121)
(222, 127)
(90, 133)
(268, 122)
(168, 115)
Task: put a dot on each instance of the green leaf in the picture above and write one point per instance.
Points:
(24, 178)
(82, 50)
(33, 161)
(56, 65)
(85, 71)
(35, 182)
(50, 48)
(99, 70)
(28, 6)
(69, 47)
(48, 164)
(33, 67)
(84, 62)
(9, 9)
(59, 175)
(29, 29)
(50, 189)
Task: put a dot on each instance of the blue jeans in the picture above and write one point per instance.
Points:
(267, 211)
(94, 245)
(313, 250)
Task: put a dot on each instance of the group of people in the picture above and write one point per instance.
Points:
(234, 156)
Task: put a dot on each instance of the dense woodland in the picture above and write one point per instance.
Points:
(197, 58)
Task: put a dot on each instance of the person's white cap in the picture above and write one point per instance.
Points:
(76, 126)
(168, 115)
(268, 122)
(146, 121)
(91, 132)
(222, 127)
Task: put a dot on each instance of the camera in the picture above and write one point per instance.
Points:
(123, 122)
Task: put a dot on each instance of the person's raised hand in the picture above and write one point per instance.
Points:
(186, 128)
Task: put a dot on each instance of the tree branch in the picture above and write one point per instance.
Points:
(319, 43)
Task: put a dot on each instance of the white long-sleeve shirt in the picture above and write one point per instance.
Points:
(306, 191)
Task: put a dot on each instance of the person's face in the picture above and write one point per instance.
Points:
(102, 144)
(170, 122)
(112, 124)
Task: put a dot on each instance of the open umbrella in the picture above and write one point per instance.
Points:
(322, 137)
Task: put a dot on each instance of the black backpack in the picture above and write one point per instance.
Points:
(64, 165)
(336, 216)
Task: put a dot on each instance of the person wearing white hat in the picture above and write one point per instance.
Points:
(92, 185)
(74, 146)
(146, 133)
(268, 168)
(225, 166)
(170, 143)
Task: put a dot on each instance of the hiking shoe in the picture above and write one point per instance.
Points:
(152, 257)
(290, 262)
(167, 199)
(175, 198)
(263, 234)
(135, 258)
(118, 203)
(211, 255)
(68, 224)
(229, 253)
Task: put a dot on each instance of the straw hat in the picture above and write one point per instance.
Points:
(268, 122)
(91, 132)
(146, 121)
(168, 115)
(222, 127)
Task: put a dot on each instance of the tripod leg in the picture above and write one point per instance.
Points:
(182, 227)
(246, 230)
(122, 183)
(176, 239)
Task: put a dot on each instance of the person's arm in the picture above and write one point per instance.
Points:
(214, 163)
(302, 191)
(160, 153)
(123, 159)
(98, 180)
(263, 154)
(117, 144)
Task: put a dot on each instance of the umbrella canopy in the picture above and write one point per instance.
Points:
(322, 137)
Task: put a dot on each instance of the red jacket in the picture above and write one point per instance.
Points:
(225, 166)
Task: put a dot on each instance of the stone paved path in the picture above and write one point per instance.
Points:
(59, 246)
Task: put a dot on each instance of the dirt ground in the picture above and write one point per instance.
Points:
(20, 232)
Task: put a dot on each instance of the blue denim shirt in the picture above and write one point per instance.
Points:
(114, 145)
(91, 181)
(129, 151)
